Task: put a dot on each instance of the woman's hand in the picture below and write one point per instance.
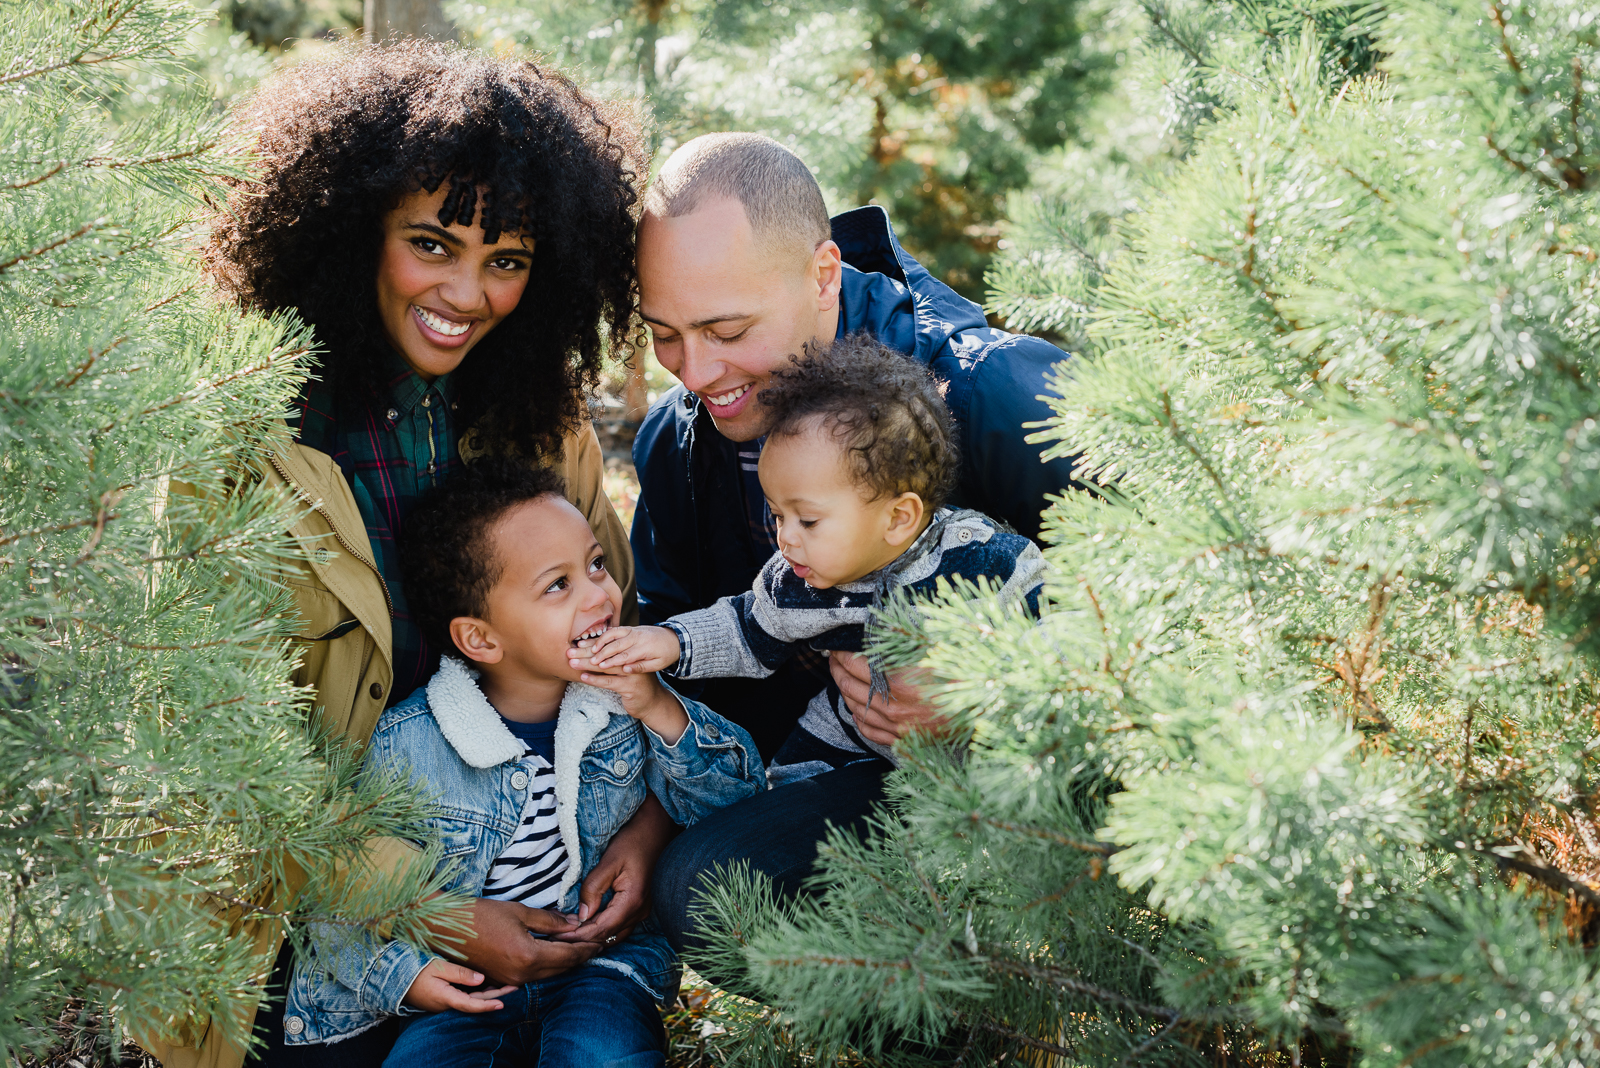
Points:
(889, 718)
(627, 651)
(502, 945)
(625, 870)
(438, 987)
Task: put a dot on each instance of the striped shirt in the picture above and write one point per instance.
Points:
(529, 871)
(763, 528)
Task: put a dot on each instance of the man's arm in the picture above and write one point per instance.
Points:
(1001, 471)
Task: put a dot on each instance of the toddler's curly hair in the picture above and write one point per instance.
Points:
(447, 559)
(883, 408)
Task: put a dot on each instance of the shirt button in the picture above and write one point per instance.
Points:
(376, 690)
(323, 557)
(965, 535)
(427, 402)
(712, 731)
(620, 767)
(519, 780)
(293, 1024)
(392, 414)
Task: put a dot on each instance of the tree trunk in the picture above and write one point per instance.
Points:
(389, 20)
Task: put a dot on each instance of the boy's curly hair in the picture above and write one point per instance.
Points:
(447, 559)
(885, 409)
(340, 141)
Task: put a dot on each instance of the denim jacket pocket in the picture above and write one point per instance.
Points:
(611, 784)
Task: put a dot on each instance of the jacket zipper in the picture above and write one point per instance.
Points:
(272, 458)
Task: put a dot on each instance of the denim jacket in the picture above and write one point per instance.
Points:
(450, 739)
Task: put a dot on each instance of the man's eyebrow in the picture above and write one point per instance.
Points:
(730, 317)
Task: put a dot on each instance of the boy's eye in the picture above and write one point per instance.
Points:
(730, 338)
(808, 523)
(558, 584)
(597, 564)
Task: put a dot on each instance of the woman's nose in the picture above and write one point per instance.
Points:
(463, 291)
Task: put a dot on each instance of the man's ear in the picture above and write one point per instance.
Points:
(827, 271)
(476, 640)
(905, 519)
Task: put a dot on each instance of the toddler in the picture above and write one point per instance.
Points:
(535, 772)
(856, 468)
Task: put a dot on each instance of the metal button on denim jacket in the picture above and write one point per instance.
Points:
(448, 738)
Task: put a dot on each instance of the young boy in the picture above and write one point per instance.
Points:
(534, 772)
(856, 468)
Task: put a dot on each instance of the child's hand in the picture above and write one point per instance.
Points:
(438, 987)
(646, 700)
(627, 651)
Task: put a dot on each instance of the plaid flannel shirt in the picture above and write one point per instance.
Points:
(392, 449)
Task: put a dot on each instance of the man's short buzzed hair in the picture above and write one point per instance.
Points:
(780, 195)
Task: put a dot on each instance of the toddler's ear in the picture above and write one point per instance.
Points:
(905, 519)
(476, 640)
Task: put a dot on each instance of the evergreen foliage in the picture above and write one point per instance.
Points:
(1298, 766)
(934, 110)
(156, 770)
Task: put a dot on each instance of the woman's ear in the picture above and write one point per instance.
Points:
(905, 519)
(476, 640)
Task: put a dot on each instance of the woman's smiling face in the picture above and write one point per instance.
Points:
(442, 288)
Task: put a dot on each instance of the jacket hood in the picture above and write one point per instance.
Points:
(881, 279)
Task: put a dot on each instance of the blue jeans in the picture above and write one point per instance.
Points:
(590, 1017)
(775, 832)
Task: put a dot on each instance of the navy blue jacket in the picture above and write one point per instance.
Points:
(691, 542)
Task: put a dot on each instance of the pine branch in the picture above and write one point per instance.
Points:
(82, 231)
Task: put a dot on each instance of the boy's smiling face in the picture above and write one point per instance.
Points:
(553, 589)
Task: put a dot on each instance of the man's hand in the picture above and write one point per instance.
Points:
(502, 945)
(890, 718)
(625, 870)
(438, 987)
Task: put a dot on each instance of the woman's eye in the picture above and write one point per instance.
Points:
(510, 265)
(428, 245)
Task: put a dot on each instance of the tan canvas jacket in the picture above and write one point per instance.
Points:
(345, 638)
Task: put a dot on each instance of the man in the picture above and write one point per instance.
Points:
(739, 267)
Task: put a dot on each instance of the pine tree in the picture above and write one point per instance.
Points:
(934, 110)
(1298, 765)
(157, 773)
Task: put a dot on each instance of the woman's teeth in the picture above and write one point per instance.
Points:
(443, 326)
(731, 396)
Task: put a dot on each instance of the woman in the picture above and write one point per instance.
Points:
(459, 232)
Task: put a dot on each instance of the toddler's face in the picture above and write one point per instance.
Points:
(827, 530)
(554, 587)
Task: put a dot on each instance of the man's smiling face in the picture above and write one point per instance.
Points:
(726, 308)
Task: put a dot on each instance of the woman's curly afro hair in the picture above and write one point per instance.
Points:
(883, 408)
(341, 141)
